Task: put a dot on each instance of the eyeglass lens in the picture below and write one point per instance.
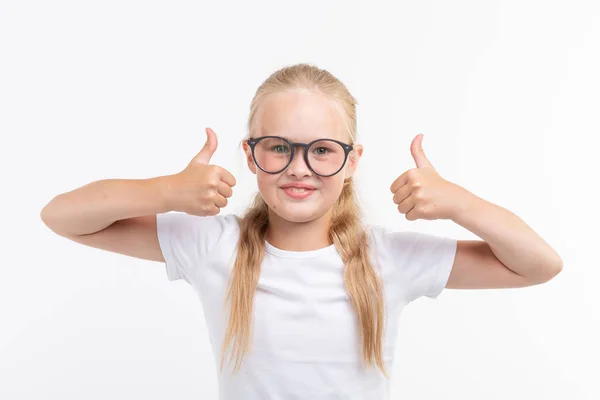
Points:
(325, 157)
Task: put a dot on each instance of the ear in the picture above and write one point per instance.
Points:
(249, 158)
(353, 159)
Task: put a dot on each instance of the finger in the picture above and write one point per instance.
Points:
(407, 205)
(400, 181)
(413, 214)
(209, 148)
(220, 201)
(224, 189)
(416, 149)
(214, 210)
(402, 193)
(227, 177)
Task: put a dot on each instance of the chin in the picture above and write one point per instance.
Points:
(297, 213)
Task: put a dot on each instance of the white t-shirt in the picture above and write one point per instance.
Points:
(305, 343)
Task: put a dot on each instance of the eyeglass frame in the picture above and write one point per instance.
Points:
(347, 149)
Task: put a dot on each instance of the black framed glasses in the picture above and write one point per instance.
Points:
(324, 157)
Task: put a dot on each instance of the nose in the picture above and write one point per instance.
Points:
(298, 165)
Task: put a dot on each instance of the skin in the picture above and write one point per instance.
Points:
(510, 254)
(300, 116)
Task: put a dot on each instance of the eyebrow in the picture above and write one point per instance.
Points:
(293, 141)
(265, 132)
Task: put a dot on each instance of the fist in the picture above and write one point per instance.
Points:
(201, 189)
(421, 193)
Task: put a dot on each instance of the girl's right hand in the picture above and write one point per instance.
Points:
(200, 189)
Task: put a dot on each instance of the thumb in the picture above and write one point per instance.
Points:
(209, 148)
(417, 152)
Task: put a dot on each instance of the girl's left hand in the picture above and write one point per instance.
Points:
(421, 193)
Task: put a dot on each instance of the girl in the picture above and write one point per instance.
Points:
(301, 298)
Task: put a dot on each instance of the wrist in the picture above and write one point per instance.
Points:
(162, 192)
(465, 205)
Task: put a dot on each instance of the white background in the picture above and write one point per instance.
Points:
(506, 93)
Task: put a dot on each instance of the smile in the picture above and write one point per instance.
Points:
(297, 193)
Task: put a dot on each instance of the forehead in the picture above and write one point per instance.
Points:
(300, 115)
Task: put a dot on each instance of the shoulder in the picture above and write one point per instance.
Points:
(186, 227)
(181, 218)
(410, 247)
(192, 245)
(385, 239)
(423, 260)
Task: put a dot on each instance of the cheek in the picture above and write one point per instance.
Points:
(267, 183)
(332, 187)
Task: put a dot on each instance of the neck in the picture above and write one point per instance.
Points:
(298, 236)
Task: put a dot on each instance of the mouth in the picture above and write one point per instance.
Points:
(298, 186)
(297, 193)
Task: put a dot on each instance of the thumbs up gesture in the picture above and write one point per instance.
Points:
(421, 193)
(201, 189)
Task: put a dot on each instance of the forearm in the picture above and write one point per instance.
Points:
(513, 242)
(97, 205)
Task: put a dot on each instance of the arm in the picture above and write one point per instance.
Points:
(511, 254)
(117, 215)
(97, 205)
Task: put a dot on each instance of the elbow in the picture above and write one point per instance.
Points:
(556, 269)
(549, 272)
(44, 216)
(50, 220)
(543, 273)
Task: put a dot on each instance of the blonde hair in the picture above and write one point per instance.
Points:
(346, 232)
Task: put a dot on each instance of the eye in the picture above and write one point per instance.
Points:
(280, 148)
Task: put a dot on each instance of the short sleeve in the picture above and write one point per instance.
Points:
(187, 240)
(424, 260)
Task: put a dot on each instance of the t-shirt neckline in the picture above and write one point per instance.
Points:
(324, 251)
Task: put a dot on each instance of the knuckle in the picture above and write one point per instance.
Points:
(220, 171)
(212, 193)
(209, 209)
(213, 181)
(203, 199)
